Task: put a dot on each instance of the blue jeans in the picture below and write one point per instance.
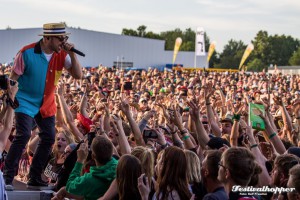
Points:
(24, 124)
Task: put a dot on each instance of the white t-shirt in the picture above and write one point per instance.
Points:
(68, 63)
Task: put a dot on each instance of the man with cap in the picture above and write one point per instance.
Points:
(38, 67)
(226, 124)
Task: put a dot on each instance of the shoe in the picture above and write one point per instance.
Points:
(38, 184)
(9, 187)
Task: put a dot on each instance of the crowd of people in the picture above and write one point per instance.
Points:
(169, 135)
(150, 134)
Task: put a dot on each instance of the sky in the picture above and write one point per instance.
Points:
(221, 19)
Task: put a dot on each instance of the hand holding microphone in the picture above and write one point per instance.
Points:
(70, 47)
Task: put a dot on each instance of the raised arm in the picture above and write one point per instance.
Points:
(208, 91)
(273, 136)
(75, 69)
(9, 114)
(202, 135)
(186, 137)
(124, 106)
(68, 117)
(122, 140)
(264, 177)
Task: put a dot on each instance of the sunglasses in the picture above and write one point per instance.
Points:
(62, 39)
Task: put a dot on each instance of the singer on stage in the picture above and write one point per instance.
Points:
(38, 67)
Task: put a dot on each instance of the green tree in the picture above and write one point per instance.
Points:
(129, 32)
(141, 30)
(273, 49)
(152, 35)
(295, 59)
(261, 47)
(232, 54)
(170, 38)
(256, 65)
(282, 48)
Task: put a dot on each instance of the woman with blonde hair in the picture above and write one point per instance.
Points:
(194, 173)
(58, 156)
(146, 157)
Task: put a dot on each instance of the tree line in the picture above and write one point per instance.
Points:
(275, 49)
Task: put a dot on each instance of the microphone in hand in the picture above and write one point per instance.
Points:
(77, 51)
(69, 47)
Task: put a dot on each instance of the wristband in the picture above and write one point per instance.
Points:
(253, 145)
(272, 135)
(11, 103)
(236, 117)
(164, 146)
(185, 137)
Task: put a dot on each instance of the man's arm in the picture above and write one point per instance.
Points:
(75, 69)
(75, 181)
(14, 76)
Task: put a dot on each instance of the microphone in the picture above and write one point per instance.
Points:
(77, 51)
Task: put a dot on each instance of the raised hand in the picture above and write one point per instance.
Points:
(60, 89)
(277, 100)
(208, 91)
(124, 107)
(194, 110)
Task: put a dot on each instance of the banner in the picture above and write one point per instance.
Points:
(211, 50)
(176, 48)
(255, 120)
(247, 52)
(200, 43)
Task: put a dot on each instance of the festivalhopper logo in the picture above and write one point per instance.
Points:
(250, 190)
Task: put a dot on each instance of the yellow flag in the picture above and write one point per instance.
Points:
(247, 52)
(211, 50)
(176, 48)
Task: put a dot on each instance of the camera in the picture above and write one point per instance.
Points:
(90, 137)
(150, 134)
(3, 82)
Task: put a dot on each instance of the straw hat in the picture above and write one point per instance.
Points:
(54, 29)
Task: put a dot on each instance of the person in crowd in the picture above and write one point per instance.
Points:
(60, 151)
(209, 171)
(294, 182)
(172, 161)
(194, 173)
(7, 113)
(129, 169)
(234, 171)
(280, 174)
(5, 130)
(41, 62)
(100, 176)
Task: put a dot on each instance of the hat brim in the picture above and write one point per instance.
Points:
(54, 34)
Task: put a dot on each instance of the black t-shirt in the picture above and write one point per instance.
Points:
(52, 170)
(199, 190)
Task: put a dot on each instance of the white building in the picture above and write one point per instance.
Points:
(102, 48)
(285, 70)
